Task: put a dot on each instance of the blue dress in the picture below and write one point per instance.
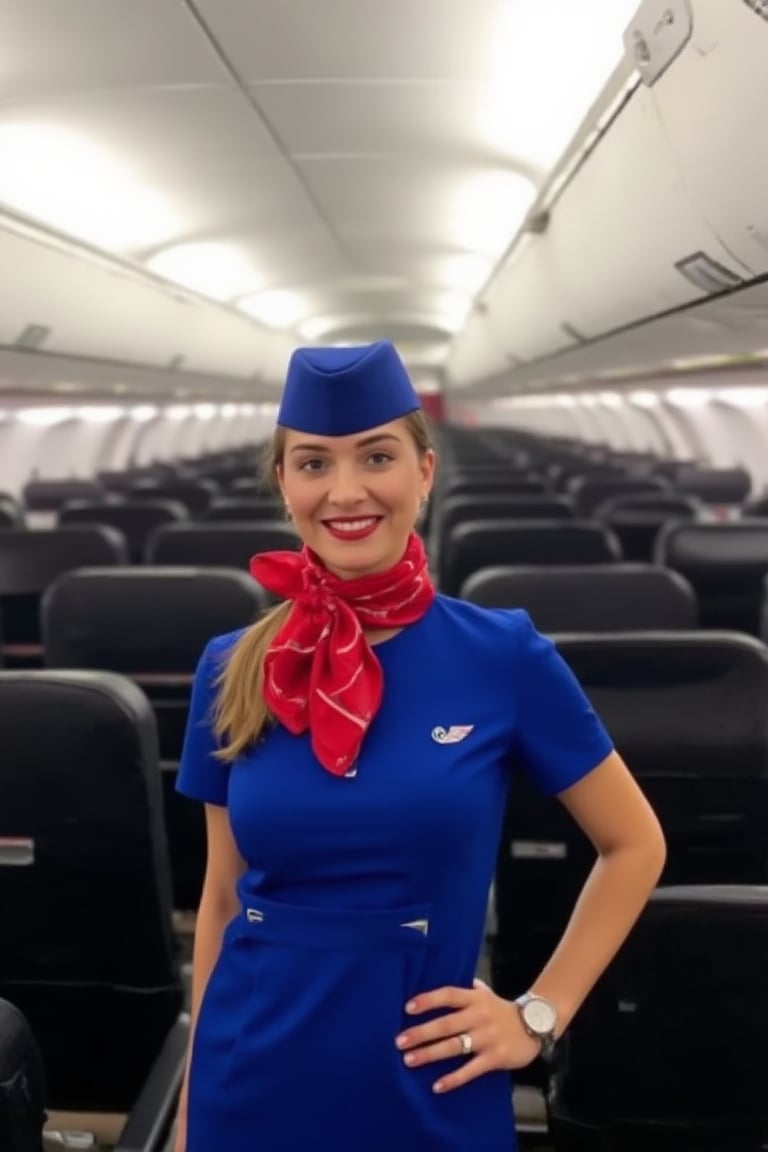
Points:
(364, 890)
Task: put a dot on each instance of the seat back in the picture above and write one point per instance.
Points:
(490, 481)
(470, 547)
(195, 495)
(499, 506)
(715, 485)
(51, 495)
(589, 597)
(703, 1072)
(148, 623)
(726, 564)
(687, 711)
(22, 1084)
(151, 624)
(30, 561)
(136, 520)
(589, 492)
(229, 544)
(91, 961)
(637, 520)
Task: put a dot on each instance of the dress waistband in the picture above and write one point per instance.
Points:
(403, 928)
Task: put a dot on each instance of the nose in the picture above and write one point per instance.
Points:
(346, 488)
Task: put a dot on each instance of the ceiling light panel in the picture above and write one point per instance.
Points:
(133, 172)
(221, 271)
(276, 309)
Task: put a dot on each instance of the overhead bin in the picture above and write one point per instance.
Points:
(96, 309)
(712, 106)
(475, 353)
(668, 208)
(528, 312)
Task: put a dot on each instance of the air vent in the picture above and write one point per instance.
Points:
(33, 336)
(708, 274)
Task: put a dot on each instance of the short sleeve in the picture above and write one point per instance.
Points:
(560, 738)
(201, 776)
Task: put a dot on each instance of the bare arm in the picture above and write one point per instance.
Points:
(612, 811)
(218, 904)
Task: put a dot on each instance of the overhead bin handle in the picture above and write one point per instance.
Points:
(657, 36)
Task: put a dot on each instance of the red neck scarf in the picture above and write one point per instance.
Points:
(320, 673)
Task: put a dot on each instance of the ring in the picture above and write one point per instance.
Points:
(466, 1043)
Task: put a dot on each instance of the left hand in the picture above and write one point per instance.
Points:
(499, 1040)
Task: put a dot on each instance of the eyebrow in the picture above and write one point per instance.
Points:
(366, 442)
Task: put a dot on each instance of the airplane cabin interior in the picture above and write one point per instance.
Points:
(558, 214)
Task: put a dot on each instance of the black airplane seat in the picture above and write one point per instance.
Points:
(687, 712)
(30, 561)
(589, 597)
(22, 1084)
(726, 563)
(91, 960)
(152, 624)
(668, 1052)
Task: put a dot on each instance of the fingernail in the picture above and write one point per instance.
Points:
(410, 1006)
(401, 1041)
(409, 1058)
(438, 1087)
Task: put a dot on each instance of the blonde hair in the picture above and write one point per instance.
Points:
(240, 712)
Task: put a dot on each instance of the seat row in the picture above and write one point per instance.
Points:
(151, 624)
(724, 563)
(83, 812)
(89, 956)
(589, 481)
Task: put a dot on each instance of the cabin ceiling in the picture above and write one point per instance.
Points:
(334, 170)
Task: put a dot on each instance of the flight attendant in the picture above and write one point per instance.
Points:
(353, 750)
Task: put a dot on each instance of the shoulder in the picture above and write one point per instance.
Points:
(500, 640)
(223, 644)
(509, 631)
(217, 651)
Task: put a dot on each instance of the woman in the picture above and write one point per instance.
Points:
(353, 750)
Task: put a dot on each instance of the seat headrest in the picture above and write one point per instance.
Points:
(591, 597)
(689, 701)
(596, 541)
(30, 561)
(710, 547)
(230, 543)
(143, 619)
(74, 733)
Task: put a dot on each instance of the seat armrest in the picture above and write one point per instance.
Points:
(152, 1115)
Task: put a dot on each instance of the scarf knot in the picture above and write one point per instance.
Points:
(320, 672)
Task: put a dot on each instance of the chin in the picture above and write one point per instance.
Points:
(360, 557)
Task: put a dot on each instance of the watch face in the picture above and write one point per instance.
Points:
(540, 1017)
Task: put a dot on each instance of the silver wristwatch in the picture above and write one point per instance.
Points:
(539, 1019)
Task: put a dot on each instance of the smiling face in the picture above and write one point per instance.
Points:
(355, 499)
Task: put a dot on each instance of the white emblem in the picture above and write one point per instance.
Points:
(453, 735)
